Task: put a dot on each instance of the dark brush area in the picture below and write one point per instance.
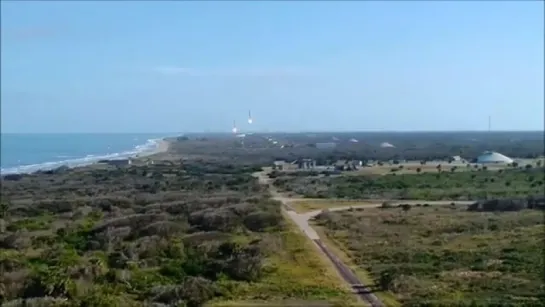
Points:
(426, 146)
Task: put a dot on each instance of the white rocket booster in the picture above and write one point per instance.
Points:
(235, 127)
(250, 117)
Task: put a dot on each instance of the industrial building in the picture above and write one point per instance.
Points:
(386, 145)
(493, 157)
(457, 158)
(306, 163)
(348, 165)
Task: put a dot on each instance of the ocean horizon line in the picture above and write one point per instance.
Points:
(170, 134)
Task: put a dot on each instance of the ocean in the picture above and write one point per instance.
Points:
(25, 153)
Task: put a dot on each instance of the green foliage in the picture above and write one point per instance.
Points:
(31, 224)
(173, 234)
(429, 186)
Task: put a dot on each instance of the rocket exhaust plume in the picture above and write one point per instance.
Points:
(250, 118)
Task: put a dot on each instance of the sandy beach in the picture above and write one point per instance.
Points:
(161, 148)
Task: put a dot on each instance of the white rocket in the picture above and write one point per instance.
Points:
(235, 127)
(250, 117)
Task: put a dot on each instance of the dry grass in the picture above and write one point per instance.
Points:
(446, 255)
(411, 168)
(386, 297)
(302, 206)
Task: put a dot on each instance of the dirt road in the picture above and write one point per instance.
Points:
(301, 220)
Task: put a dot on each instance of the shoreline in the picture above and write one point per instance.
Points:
(161, 147)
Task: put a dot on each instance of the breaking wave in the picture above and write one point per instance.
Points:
(149, 147)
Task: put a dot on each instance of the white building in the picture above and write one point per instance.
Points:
(493, 157)
(457, 158)
(386, 145)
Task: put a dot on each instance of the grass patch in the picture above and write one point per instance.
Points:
(445, 255)
(295, 271)
(415, 168)
(321, 204)
(340, 251)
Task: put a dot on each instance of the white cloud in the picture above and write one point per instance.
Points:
(231, 72)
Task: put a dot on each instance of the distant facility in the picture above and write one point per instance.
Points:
(326, 145)
(493, 157)
(386, 145)
(279, 164)
(306, 163)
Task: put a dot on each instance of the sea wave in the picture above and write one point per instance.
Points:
(149, 147)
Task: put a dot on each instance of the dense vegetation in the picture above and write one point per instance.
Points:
(260, 148)
(163, 235)
(444, 185)
(446, 255)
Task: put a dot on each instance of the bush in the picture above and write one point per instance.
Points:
(193, 291)
(513, 204)
(386, 205)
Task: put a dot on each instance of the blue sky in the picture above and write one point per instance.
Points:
(197, 66)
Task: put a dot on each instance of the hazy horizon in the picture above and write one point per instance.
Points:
(181, 133)
(93, 67)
